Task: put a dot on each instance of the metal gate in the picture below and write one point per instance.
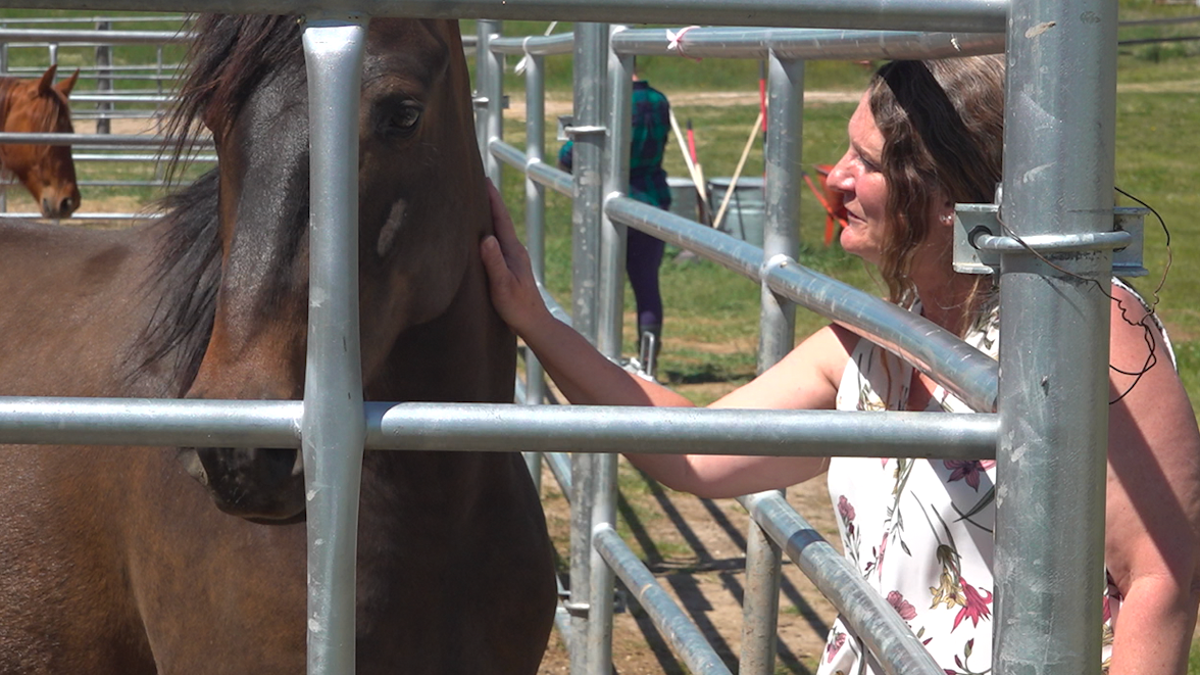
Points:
(1048, 41)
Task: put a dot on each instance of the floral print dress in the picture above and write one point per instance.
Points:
(920, 530)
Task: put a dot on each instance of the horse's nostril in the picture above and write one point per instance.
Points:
(67, 206)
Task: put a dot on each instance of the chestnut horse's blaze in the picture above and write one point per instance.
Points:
(47, 171)
(115, 560)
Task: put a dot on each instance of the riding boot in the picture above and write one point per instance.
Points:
(649, 345)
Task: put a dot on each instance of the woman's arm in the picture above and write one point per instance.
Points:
(1152, 533)
(582, 373)
(806, 378)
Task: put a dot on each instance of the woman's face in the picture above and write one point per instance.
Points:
(858, 177)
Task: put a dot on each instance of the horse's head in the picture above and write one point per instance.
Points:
(422, 211)
(47, 171)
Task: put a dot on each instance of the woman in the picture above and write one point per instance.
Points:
(927, 135)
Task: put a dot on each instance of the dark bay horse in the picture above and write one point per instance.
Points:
(116, 560)
(47, 171)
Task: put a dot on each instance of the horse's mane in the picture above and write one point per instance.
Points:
(229, 58)
(7, 84)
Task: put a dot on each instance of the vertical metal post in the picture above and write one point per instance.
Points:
(591, 55)
(612, 295)
(4, 72)
(782, 190)
(484, 31)
(781, 234)
(103, 81)
(158, 68)
(615, 180)
(1058, 179)
(493, 89)
(535, 225)
(333, 429)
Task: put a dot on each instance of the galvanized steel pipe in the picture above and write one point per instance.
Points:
(979, 16)
(333, 429)
(962, 369)
(808, 43)
(867, 613)
(687, 640)
(1059, 157)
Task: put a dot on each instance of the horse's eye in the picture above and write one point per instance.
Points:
(402, 120)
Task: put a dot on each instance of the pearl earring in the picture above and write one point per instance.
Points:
(947, 219)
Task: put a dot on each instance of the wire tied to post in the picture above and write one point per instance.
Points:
(1147, 322)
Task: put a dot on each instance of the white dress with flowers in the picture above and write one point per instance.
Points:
(919, 531)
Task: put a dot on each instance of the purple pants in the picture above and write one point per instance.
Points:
(643, 256)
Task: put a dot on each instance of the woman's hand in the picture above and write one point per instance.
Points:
(513, 288)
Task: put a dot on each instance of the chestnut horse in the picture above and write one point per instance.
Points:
(47, 171)
(116, 560)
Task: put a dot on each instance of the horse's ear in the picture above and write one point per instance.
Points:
(68, 84)
(47, 80)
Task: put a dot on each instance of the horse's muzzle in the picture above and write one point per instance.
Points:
(255, 483)
(55, 205)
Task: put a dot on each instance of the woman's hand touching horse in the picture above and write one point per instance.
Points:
(513, 287)
(583, 374)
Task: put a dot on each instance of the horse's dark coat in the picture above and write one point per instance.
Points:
(114, 560)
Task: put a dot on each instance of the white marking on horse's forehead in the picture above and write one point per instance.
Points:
(387, 233)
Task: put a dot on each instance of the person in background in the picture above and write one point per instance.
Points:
(925, 136)
(647, 183)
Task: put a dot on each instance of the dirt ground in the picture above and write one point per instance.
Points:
(696, 550)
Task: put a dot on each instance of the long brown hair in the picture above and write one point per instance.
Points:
(943, 127)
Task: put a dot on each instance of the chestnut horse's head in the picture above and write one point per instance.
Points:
(422, 212)
(47, 171)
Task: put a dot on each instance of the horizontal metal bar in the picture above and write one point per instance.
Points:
(731, 253)
(676, 628)
(459, 426)
(151, 422)
(964, 370)
(508, 154)
(136, 158)
(536, 45)
(85, 97)
(1054, 243)
(86, 141)
(871, 617)
(29, 215)
(759, 43)
(90, 19)
(1181, 38)
(542, 173)
(1148, 22)
(970, 374)
(552, 177)
(89, 37)
(505, 428)
(980, 16)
